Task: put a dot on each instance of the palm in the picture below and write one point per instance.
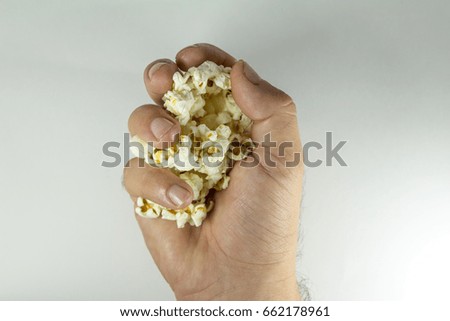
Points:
(236, 232)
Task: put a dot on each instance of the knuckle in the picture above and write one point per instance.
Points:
(286, 101)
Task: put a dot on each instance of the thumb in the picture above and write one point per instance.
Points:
(273, 113)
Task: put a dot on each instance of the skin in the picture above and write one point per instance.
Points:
(246, 247)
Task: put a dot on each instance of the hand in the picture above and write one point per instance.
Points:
(246, 247)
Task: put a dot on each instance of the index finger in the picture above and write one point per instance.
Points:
(195, 55)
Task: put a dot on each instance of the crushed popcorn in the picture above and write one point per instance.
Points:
(214, 133)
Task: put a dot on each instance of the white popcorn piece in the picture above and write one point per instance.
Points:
(213, 129)
(146, 208)
(199, 214)
(140, 148)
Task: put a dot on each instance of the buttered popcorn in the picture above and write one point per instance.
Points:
(214, 133)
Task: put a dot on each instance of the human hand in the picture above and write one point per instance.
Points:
(246, 247)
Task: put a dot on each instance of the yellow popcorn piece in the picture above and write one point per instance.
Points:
(214, 132)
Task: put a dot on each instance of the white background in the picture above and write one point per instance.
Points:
(375, 73)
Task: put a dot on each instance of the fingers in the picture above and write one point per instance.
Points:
(271, 109)
(153, 124)
(156, 184)
(158, 75)
(196, 54)
(158, 78)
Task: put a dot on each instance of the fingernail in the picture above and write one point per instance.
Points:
(154, 69)
(178, 195)
(160, 126)
(250, 74)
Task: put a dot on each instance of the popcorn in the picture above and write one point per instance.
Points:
(214, 134)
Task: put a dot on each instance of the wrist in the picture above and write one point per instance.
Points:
(253, 288)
